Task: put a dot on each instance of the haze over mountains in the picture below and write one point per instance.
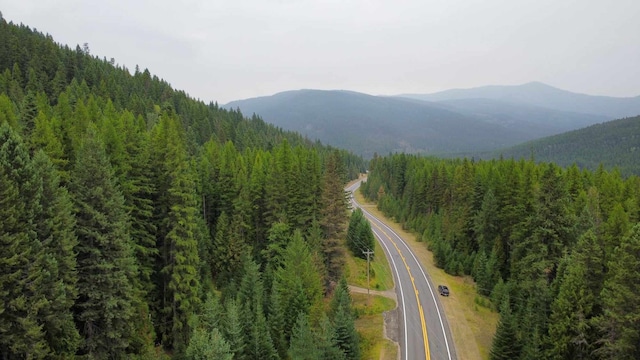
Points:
(454, 121)
(539, 94)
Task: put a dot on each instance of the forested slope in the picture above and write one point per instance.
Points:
(557, 250)
(138, 222)
(612, 144)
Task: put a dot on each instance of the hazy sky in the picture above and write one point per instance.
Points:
(235, 49)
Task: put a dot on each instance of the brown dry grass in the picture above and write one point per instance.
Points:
(472, 325)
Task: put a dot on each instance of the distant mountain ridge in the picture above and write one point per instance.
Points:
(368, 124)
(543, 95)
(455, 121)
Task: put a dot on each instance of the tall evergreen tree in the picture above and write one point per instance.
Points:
(21, 260)
(233, 329)
(228, 251)
(298, 284)
(55, 229)
(177, 234)
(506, 344)
(620, 322)
(208, 345)
(303, 345)
(333, 217)
(259, 344)
(106, 265)
(359, 235)
(206, 341)
(8, 112)
(347, 339)
(572, 333)
(327, 342)
(277, 327)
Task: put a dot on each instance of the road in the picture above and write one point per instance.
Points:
(424, 332)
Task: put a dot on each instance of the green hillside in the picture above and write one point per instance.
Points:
(139, 223)
(612, 144)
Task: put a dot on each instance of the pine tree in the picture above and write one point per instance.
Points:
(334, 211)
(359, 235)
(620, 321)
(298, 284)
(8, 112)
(228, 251)
(138, 189)
(55, 228)
(347, 338)
(303, 345)
(341, 296)
(276, 320)
(571, 323)
(21, 260)
(106, 265)
(45, 137)
(485, 222)
(177, 209)
(211, 314)
(279, 184)
(327, 342)
(233, 328)
(257, 197)
(506, 345)
(208, 345)
(259, 344)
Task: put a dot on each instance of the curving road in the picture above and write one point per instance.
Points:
(424, 332)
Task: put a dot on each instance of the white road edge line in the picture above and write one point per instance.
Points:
(404, 309)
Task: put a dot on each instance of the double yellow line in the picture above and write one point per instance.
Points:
(415, 289)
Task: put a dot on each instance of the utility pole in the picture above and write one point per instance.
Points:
(368, 252)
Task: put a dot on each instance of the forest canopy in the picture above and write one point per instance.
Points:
(555, 249)
(139, 222)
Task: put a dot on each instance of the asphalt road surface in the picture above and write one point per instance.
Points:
(424, 332)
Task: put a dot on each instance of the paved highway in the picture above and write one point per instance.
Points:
(424, 332)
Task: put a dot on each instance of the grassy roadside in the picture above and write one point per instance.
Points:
(370, 325)
(370, 322)
(380, 273)
(472, 325)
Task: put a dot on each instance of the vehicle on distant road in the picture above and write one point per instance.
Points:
(443, 290)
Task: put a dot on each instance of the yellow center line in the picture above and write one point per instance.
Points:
(415, 289)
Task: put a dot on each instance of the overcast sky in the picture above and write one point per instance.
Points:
(235, 49)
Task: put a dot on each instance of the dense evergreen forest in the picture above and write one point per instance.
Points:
(138, 222)
(613, 144)
(557, 250)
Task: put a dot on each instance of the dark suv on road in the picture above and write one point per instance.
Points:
(443, 290)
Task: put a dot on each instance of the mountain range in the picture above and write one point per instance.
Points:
(454, 121)
(542, 95)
